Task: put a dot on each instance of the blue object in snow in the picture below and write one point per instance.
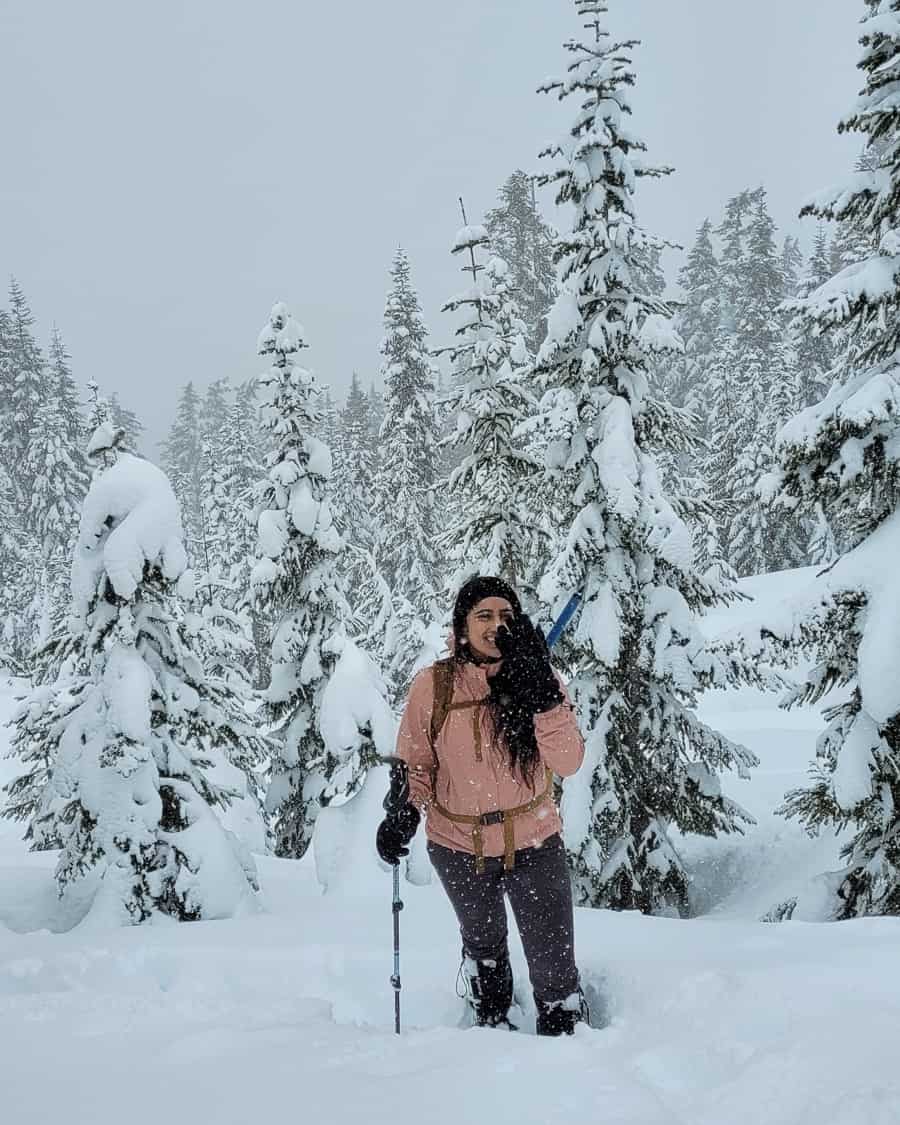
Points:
(563, 620)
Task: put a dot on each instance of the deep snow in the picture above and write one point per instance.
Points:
(721, 1019)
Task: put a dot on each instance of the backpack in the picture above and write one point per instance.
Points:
(443, 697)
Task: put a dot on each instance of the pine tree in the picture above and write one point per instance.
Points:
(128, 422)
(728, 419)
(404, 502)
(697, 323)
(330, 431)
(295, 582)
(133, 737)
(17, 551)
(815, 356)
(686, 382)
(222, 620)
(729, 429)
(6, 377)
(843, 456)
(490, 530)
(45, 466)
(353, 485)
(376, 412)
(819, 269)
(59, 678)
(214, 410)
(353, 499)
(521, 238)
(241, 467)
(639, 657)
(752, 388)
(27, 391)
(211, 500)
(53, 461)
(212, 520)
(731, 233)
(97, 411)
(68, 399)
(181, 460)
(791, 266)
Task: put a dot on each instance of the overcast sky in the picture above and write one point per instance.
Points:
(171, 169)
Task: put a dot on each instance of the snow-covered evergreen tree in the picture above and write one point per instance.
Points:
(815, 352)
(759, 537)
(27, 390)
(6, 376)
(54, 463)
(17, 554)
(404, 483)
(222, 618)
(522, 239)
(295, 582)
(40, 429)
(240, 470)
(354, 472)
(330, 430)
(68, 399)
(731, 234)
(376, 411)
(58, 678)
(133, 735)
(751, 386)
(791, 266)
(490, 530)
(214, 409)
(842, 456)
(181, 460)
(697, 322)
(211, 501)
(638, 657)
(128, 422)
(353, 484)
(97, 411)
(687, 381)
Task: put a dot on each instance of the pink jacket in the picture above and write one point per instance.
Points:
(473, 773)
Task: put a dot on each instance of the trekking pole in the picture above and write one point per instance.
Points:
(397, 906)
(396, 798)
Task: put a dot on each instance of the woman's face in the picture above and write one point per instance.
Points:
(482, 622)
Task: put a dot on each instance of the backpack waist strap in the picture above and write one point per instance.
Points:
(506, 817)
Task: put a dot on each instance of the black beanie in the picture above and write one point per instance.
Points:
(473, 591)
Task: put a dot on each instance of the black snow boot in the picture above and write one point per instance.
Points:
(559, 1017)
(490, 990)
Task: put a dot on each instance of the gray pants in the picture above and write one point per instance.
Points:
(541, 898)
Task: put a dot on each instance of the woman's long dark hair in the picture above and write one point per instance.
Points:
(513, 724)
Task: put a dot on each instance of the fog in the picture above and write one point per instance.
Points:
(171, 170)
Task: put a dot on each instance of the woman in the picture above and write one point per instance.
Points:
(482, 734)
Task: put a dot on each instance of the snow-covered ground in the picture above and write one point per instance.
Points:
(721, 1019)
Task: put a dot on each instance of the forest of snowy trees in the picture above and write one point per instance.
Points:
(191, 622)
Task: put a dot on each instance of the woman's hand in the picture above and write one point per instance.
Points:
(395, 832)
(526, 674)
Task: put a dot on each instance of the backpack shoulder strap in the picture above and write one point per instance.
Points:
(443, 696)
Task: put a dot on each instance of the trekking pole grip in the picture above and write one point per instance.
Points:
(398, 793)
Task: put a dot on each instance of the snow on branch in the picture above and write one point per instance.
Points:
(136, 500)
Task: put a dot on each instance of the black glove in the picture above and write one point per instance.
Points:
(525, 674)
(395, 832)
